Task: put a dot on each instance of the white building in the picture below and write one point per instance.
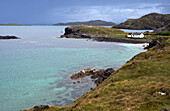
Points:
(136, 35)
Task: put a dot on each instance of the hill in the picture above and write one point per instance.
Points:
(152, 21)
(86, 31)
(92, 22)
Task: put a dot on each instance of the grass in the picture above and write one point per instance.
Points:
(155, 35)
(133, 87)
(101, 31)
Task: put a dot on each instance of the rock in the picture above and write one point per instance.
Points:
(9, 37)
(97, 76)
(163, 109)
(156, 43)
(40, 107)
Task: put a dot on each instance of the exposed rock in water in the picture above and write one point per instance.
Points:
(40, 107)
(9, 37)
(97, 75)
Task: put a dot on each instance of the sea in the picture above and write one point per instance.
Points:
(36, 69)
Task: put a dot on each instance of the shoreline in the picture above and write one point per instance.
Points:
(112, 39)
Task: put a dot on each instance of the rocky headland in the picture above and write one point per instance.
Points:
(9, 37)
(92, 22)
(100, 33)
(152, 21)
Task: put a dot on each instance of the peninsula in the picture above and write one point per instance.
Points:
(100, 33)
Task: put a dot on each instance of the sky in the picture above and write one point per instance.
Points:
(56, 11)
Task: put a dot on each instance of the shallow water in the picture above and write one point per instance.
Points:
(36, 69)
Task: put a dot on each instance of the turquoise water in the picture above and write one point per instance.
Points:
(36, 69)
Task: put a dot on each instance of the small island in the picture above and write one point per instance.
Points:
(13, 24)
(9, 37)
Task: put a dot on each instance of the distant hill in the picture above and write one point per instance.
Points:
(13, 24)
(152, 21)
(92, 22)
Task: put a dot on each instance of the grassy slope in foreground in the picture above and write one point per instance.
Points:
(133, 87)
(100, 31)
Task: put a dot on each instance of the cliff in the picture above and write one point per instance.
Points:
(152, 21)
(92, 22)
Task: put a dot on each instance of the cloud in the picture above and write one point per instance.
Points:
(115, 14)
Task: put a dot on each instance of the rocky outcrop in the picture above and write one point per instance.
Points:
(166, 28)
(9, 37)
(40, 107)
(98, 76)
(152, 21)
(92, 22)
(157, 43)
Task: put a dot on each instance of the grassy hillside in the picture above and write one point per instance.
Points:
(136, 86)
(152, 21)
(96, 30)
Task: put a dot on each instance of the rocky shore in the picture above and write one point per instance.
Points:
(72, 32)
(9, 37)
(97, 76)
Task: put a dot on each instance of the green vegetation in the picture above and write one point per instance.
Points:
(152, 21)
(136, 86)
(155, 35)
(100, 31)
(13, 24)
(163, 33)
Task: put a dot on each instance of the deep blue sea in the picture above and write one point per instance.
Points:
(36, 69)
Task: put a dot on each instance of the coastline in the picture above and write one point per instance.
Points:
(128, 83)
(112, 39)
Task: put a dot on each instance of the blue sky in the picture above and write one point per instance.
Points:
(55, 11)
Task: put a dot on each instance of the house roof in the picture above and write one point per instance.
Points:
(136, 33)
